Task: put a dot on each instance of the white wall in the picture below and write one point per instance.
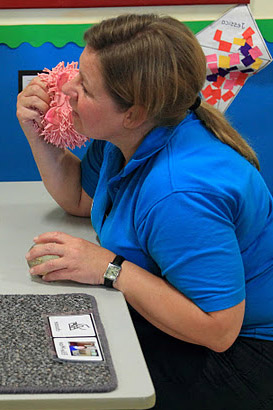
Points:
(261, 9)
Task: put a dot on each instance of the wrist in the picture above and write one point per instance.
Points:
(113, 271)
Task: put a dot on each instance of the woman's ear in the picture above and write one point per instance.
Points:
(134, 117)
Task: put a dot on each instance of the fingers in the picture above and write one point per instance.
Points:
(49, 243)
(58, 237)
(29, 114)
(42, 249)
(53, 265)
(79, 260)
(33, 102)
(38, 88)
(62, 274)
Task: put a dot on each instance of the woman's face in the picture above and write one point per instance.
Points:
(94, 113)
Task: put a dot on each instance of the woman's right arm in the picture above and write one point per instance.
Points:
(60, 170)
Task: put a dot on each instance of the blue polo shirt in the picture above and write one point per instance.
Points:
(190, 209)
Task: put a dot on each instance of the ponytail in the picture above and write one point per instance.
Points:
(215, 121)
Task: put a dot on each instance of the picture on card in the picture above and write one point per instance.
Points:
(78, 349)
(72, 325)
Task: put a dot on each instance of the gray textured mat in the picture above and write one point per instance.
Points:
(27, 364)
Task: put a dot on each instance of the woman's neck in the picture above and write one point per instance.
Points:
(130, 143)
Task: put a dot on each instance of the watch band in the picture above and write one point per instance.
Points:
(117, 262)
(108, 283)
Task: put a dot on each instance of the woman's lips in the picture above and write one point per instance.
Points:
(74, 113)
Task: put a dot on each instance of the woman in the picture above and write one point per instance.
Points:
(181, 211)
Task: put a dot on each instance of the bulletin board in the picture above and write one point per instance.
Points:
(15, 4)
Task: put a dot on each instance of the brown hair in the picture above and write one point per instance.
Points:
(157, 63)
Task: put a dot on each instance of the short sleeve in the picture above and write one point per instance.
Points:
(192, 239)
(91, 165)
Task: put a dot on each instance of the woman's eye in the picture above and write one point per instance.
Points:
(84, 89)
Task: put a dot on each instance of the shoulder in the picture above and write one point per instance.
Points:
(195, 161)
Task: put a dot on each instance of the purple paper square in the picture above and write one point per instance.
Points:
(222, 72)
(245, 49)
(248, 70)
(212, 77)
(247, 61)
(232, 68)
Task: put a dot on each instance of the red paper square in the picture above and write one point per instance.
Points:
(219, 82)
(241, 79)
(212, 101)
(216, 93)
(227, 96)
(207, 92)
(225, 46)
(218, 35)
(248, 33)
(249, 41)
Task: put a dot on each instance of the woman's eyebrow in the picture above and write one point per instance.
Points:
(83, 77)
(80, 72)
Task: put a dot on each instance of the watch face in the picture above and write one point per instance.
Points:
(112, 272)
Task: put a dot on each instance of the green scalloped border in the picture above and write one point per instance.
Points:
(61, 34)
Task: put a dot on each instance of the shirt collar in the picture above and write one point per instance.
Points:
(154, 141)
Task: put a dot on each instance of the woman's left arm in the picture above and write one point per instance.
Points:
(173, 313)
(153, 297)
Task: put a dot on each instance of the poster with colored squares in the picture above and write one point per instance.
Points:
(234, 50)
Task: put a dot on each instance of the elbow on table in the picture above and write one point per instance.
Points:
(221, 346)
(82, 208)
(223, 338)
(226, 326)
(76, 212)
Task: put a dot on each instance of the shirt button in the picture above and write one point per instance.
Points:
(116, 189)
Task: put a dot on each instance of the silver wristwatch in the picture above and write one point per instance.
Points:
(113, 270)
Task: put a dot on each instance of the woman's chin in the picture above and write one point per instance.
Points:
(76, 123)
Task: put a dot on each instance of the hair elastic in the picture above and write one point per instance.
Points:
(196, 104)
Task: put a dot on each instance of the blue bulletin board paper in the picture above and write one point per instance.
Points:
(250, 112)
(17, 163)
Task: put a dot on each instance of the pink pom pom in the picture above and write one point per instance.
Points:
(57, 123)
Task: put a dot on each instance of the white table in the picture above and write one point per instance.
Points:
(26, 210)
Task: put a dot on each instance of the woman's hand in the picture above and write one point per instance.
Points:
(32, 104)
(79, 260)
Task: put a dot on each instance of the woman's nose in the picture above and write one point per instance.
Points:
(70, 89)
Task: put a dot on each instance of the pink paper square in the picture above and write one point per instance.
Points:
(213, 67)
(211, 58)
(234, 59)
(255, 52)
(229, 84)
(233, 75)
